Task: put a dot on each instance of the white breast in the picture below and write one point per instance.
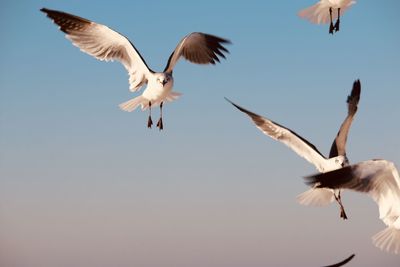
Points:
(157, 93)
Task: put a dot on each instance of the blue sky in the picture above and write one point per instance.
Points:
(85, 184)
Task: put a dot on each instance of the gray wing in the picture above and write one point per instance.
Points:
(338, 147)
(199, 48)
(102, 43)
(280, 133)
(342, 262)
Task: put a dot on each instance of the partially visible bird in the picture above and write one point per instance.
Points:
(106, 44)
(337, 157)
(380, 179)
(343, 262)
(324, 12)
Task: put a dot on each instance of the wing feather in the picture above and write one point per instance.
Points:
(338, 147)
(199, 48)
(379, 178)
(102, 43)
(343, 262)
(280, 133)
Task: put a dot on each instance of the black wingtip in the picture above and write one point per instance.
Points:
(357, 87)
(310, 180)
(342, 262)
(355, 92)
(236, 106)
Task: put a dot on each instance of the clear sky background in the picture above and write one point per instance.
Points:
(83, 183)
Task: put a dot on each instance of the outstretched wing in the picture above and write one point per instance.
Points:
(338, 147)
(200, 48)
(102, 43)
(280, 133)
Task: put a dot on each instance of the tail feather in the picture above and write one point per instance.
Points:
(173, 96)
(388, 239)
(316, 197)
(318, 14)
(132, 104)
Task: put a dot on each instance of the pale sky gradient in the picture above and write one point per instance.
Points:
(85, 184)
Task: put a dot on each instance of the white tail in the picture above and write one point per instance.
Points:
(388, 239)
(316, 197)
(319, 13)
(316, 14)
(132, 104)
(173, 96)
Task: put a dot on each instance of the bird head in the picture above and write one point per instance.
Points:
(341, 161)
(164, 78)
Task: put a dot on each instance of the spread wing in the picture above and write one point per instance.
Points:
(199, 48)
(102, 43)
(338, 147)
(280, 133)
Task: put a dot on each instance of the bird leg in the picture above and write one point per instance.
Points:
(149, 121)
(160, 122)
(337, 21)
(331, 25)
(339, 201)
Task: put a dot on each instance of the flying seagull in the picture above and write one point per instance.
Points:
(343, 262)
(380, 179)
(326, 11)
(337, 157)
(106, 44)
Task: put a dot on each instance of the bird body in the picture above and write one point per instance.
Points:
(159, 88)
(380, 179)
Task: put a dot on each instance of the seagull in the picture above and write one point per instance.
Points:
(323, 12)
(342, 262)
(337, 156)
(106, 44)
(380, 179)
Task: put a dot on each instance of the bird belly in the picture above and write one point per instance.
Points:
(157, 94)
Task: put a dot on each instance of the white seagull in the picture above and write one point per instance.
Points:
(337, 156)
(380, 179)
(106, 44)
(323, 12)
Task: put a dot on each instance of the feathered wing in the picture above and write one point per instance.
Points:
(298, 144)
(199, 48)
(380, 179)
(319, 12)
(102, 43)
(338, 147)
(343, 262)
